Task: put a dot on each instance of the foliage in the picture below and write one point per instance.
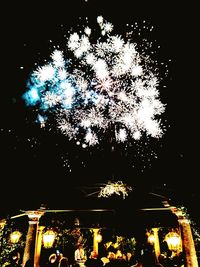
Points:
(124, 244)
(7, 248)
(127, 244)
(72, 237)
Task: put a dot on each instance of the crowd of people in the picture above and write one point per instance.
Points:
(109, 258)
(94, 260)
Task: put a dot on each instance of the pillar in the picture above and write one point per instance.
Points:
(188, 244)
(31, 237)
(95, 243)
(156, 244)
(187, 239)
(38, 246)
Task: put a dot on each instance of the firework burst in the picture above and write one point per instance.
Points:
(97, 86)
(117, 188)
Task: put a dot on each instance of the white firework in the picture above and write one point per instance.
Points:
(99, 85)
(118, 188)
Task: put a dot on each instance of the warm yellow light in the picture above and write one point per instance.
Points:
(2, 224)
(173, 240)
(151, 238)
(49, 238)
(15, 236)
(118, 254)
(98, 238)
(116, 245)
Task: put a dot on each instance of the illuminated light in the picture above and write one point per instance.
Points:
(151, 239)
(2, 224)
(115, 188)
(173, 240)
(98, 238)
(15, 237)
(49, 238)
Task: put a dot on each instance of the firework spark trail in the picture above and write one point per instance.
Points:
(114, 188)
(102, 86)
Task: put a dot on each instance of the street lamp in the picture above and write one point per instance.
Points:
(15, 236)
(173, 240)
(49, 238)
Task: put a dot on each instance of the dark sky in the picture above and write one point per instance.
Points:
(39, 166)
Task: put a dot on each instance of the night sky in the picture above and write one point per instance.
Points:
(42, 166)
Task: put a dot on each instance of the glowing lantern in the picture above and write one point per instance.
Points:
(173, 241)
(15, 236)
(49, 238)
